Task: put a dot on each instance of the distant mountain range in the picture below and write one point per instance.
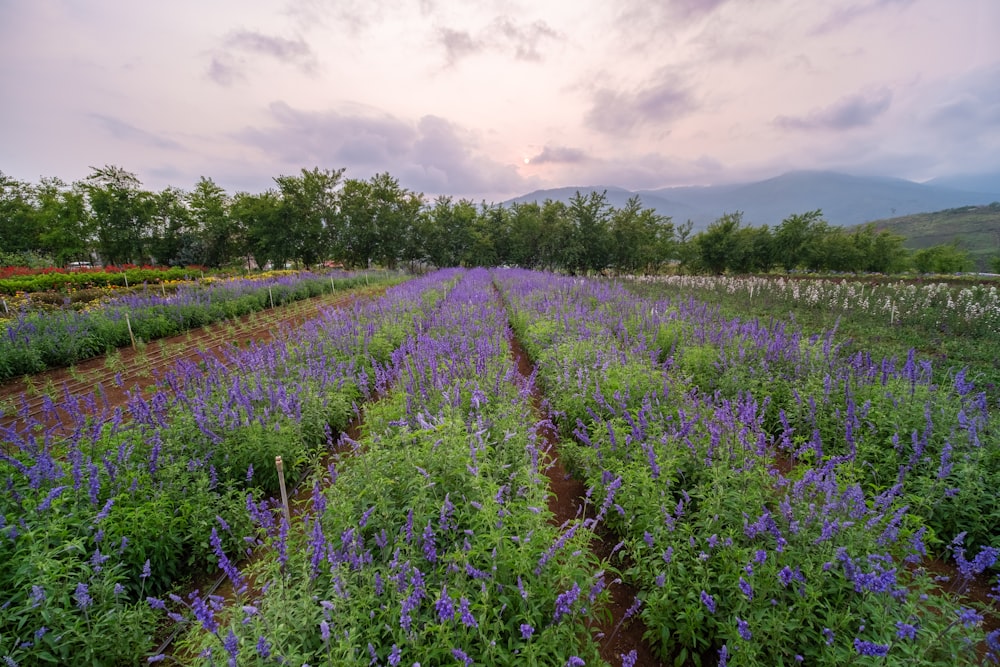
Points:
(844, 199)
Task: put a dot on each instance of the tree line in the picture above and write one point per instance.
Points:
(318, 215)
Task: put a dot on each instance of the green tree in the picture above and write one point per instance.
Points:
(944, 258)
(65, 222)
(210, 221)
(309, 211)
(19, 228)
(719, 246)
(260, 218)
(173, 239)
(451, 225)
(881, 251)
(122, 211)
(589, 216)
(795, 239)
(641, 238)
(835, 250)
(524, 235)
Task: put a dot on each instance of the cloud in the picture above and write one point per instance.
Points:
(501, 35)
(431, 155)
(844, 15)
(458, 44)
(292, 51)
(619, 112)
(128, 133)
(559, 154)
(525, 38)
(223, 71)
(227, 66)
(849, 112)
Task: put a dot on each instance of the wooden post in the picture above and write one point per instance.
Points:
(270, 295)
(281, 483)
(126, 278)
(131, 335)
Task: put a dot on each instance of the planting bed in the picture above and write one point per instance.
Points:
(765, 497)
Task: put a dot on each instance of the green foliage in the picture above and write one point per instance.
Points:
(942, 259)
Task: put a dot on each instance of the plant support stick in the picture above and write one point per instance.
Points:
(131, 335)
(281, 483)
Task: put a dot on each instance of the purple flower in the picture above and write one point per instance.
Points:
(575, 661)
(232, 645)
(394, 656)
(430, 549)
(905, 630)
(969, 617)
(564, 602)
(467, 618)
(828, 633)
(146, 570)
(746, 588)
(870, 648)
(82, 596)
(724, 655)
(526, 631)
(743, 628)
(444, 607)
(708, 601)
(629, 659)
(461, 656)
(53, 494)
(324, 631)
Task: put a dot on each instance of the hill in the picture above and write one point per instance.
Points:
(845, 200)
(975, 229)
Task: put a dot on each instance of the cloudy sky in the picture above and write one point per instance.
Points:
(493, 98)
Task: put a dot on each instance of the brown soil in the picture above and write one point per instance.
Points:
(112, 378)
(567, 501)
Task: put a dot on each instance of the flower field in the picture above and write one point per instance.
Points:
(779, 498)
(36, 338)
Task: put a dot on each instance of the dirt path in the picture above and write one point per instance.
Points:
(623, 631)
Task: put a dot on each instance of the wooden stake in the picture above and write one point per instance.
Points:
(281, 483)
(270, 295)
(131, 335)
(126, 278)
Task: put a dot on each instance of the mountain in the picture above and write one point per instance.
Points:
(989, 182)
(844, 199)
(616, 196)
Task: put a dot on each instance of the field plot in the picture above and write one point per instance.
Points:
(778, 498)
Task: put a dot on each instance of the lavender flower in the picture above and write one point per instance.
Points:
(870, 648)
(743, 628)
(232, 645)
(629, 659)
(905, 630)
(461, 656)
(444, 606)
(82, 596)
(467, 618)
(564, 602)
(708, 601)
(575, 661)
(746, 588)
(526, 631)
